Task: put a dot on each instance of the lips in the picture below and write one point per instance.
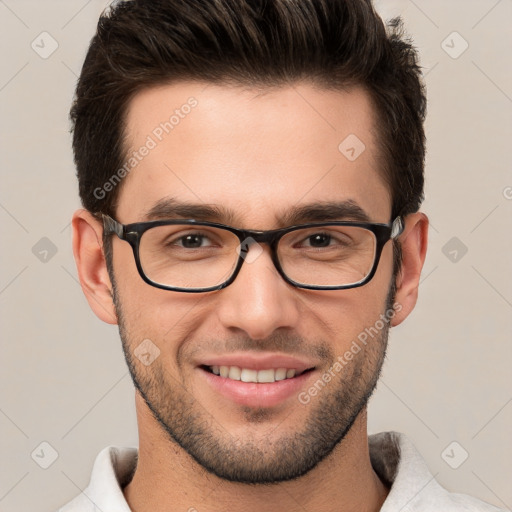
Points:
(256, 380)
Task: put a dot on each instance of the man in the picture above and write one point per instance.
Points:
(251, 174)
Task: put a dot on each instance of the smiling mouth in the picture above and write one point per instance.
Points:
(268, 375)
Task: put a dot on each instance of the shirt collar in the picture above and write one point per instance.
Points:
(393, 457)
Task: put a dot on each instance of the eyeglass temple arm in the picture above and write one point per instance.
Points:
(112, 226)
(397, 227)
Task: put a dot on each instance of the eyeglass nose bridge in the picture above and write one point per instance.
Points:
(248, 239)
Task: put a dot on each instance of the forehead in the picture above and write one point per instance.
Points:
(251, 153)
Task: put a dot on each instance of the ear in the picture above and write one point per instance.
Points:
(91, 265)
(414, 248)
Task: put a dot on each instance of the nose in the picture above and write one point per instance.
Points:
(259, 301)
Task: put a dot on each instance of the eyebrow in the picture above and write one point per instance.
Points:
(324, 211)
(171, 208)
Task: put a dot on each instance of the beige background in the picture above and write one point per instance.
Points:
(447, 377)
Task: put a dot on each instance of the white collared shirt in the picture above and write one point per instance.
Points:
(393, 457)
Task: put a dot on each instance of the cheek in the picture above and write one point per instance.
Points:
(168, 319)
(343, 315)
(141, 304)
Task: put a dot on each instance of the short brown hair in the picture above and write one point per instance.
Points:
(333, 43)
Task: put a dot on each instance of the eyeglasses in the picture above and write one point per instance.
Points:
(195, 256)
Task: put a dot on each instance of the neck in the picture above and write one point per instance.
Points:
(167, 476)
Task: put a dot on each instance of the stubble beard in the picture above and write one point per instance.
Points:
(280, 455)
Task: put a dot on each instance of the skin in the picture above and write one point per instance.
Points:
(258, 152)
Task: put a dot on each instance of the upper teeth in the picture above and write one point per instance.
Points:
(248, 375)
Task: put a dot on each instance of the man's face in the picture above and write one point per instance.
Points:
(258, 156)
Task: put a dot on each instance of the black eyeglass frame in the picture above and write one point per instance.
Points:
(132, 233)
